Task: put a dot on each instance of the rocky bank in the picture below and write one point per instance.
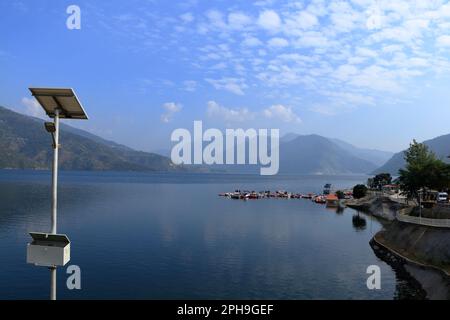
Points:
(420, 251)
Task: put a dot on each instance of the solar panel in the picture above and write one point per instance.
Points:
(63, 99)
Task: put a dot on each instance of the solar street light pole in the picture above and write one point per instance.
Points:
(57, 103)
(54, 198)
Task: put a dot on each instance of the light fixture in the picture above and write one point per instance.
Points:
(50, 127)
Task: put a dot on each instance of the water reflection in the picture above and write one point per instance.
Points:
(163, 237)
(340, 210)
(406, 287)
(359, 222)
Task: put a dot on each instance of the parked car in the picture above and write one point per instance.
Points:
(442, 197)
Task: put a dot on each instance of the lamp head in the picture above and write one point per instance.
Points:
(50, 127)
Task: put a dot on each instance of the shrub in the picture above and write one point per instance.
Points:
(359, 191)
(340, 194)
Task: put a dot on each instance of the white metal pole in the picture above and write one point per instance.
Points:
(52, 283)
(55, 175)
(54, 200)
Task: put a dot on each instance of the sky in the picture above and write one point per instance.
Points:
(374, 73)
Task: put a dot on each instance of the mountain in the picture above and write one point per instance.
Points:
(95, 138)
(440, 146)
(374, 156)
(377, 157)
(162, 151)
(25, 144)
(314, 154)
(289, 137)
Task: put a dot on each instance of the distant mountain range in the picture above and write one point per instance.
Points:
(314, 154)
(374, 156)
(25, 144)
(440, 146)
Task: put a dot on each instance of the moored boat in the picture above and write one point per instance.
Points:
(254, 195)
(320, 200)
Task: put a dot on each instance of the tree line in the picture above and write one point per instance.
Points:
(423, 172)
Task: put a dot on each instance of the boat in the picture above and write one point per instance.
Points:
(283, 194)
(320, 200)
(236, 195)
(245, 196)
(254, 195)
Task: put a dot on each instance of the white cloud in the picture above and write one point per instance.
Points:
(378, 79)
(264, 3)
(251, 42)
(214, 110)
(276, 112)
(187, 17)
(371, 50)
(171, 108)
(418, 62)
(33, 108)
(324, 110)
(238, 20)
(219, 66)
(366, 52)
(443, 41)
(312, 39)
(348, 99)
(392, 48)
(216, 19)
(306, 20)
(269, 20)
(344, 17)
(280, 112)
(233, 85)
(344, 72)
(375, 17)
(303, 20)
(190, 85)
(408, 31)
(278, 42)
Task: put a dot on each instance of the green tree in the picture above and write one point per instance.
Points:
(380, 180)
(340, 194)
(359, 191)
(423, 171)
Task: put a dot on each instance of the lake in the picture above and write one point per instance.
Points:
(170, 236)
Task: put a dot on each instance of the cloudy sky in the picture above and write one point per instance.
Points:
(374, 73)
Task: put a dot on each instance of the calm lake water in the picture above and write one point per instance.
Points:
(169, 236)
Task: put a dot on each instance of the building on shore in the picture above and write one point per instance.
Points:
(332, 201)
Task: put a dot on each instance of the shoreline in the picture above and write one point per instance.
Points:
(434, 282)
(422, 252)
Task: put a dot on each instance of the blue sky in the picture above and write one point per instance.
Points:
(374, 73)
